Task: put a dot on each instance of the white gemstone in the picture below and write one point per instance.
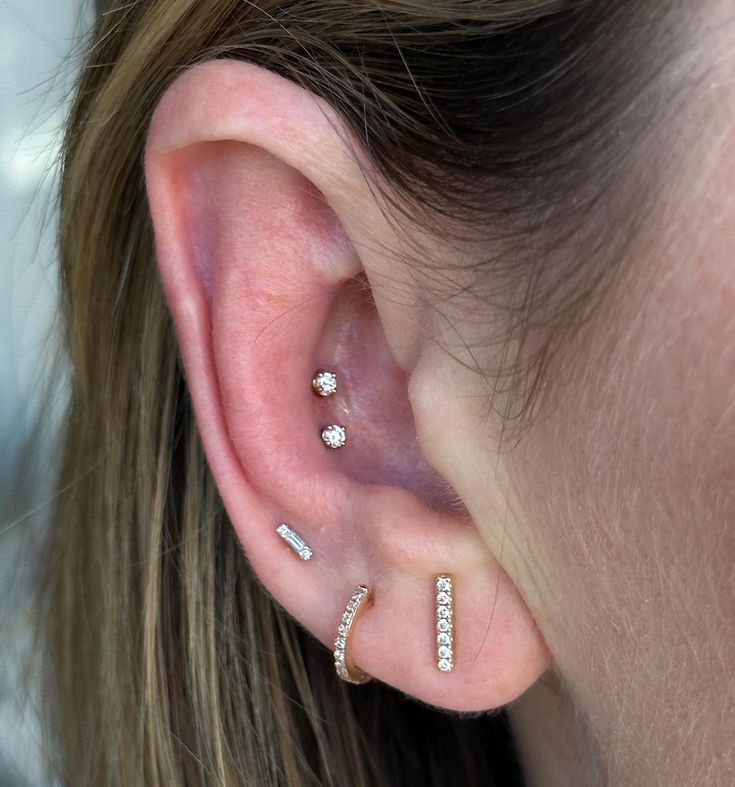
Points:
(443, 598)
(334, 436)
(340, 643)
(444, 625)
(445, 665)
(443, 612)
(444, 583)
(444, 652)
(325, 383)
(443, 639)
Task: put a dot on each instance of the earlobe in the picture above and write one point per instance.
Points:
(259, 212)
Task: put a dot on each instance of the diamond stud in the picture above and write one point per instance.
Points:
(324, 383)
(444, 622)
(345, 670)
(334, 436)
(294, 540)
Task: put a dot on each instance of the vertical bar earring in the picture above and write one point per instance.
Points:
(444, 588)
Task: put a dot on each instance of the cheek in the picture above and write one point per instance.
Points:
(629, 483)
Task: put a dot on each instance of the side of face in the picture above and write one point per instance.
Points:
(615, 514)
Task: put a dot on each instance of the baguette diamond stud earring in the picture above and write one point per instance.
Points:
(355, 606)
(444, 622)
(324, 383)
(334, 436)
(294, 540)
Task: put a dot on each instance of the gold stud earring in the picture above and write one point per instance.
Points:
(444, 588)
(334, 436)
(294, 540)
(324, 383)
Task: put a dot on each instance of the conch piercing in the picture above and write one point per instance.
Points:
(324, 383)
(294, 540)
(444, 622)
(345, 669)
(334, 436)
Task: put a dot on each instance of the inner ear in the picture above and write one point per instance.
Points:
(373, 401)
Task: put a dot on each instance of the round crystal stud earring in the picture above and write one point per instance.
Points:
(324, 383)
(334, 436)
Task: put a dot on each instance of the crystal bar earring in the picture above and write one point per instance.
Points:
(444, 622)
(294, 540)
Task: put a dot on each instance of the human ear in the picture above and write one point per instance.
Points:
(265, 230)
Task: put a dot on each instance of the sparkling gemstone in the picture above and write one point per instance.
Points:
(443, 625)
(324, 383)
(443, 638)
(444, 652)
(340, 643)
(444, 583)
(334, 436)
(443, 598)
(445, 665)
(443, 612)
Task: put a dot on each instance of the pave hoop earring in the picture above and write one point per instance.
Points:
(346, 670)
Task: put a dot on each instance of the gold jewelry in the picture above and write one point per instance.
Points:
(355, 605)
(334, 436)
(294, 540)
(444, 622)
(324, 383)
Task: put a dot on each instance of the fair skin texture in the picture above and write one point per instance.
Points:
(596, 552)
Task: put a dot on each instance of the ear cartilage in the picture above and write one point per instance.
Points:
(294, 540)
(445, 622)
(324, 383)
(334, 436)
(355, 606)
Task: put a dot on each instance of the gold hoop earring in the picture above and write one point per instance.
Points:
(357, 603)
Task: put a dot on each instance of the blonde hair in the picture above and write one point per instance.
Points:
(170, 665)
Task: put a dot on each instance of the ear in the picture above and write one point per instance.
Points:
(265, 231)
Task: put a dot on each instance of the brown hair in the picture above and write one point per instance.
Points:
(170, 665)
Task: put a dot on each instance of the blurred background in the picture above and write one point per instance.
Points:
(40, 45)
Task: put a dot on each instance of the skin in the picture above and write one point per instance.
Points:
(593, 560)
